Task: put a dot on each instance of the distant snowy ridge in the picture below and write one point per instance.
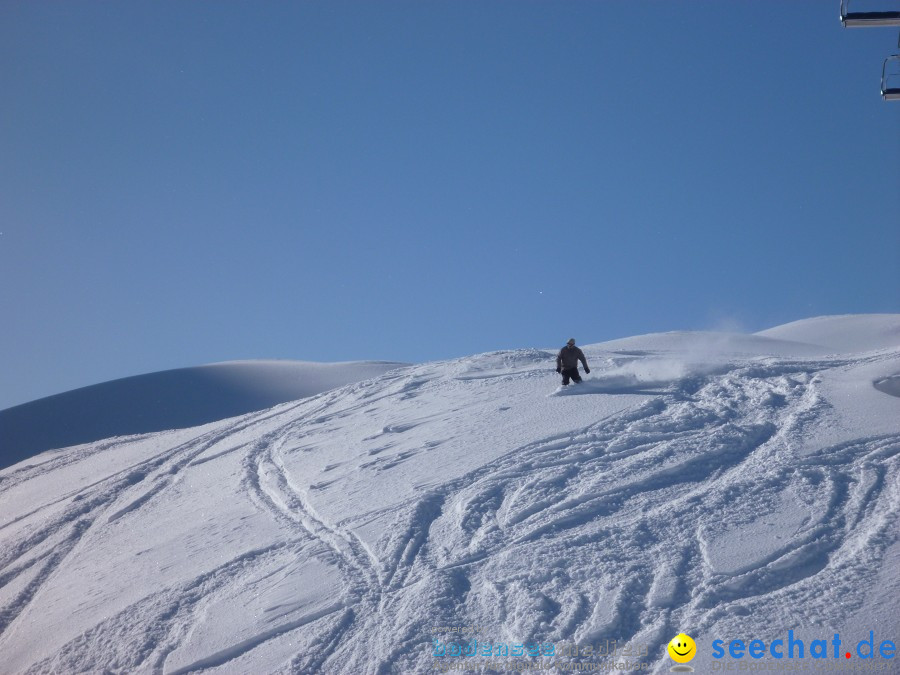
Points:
(171, 399)
(726, 486)
(847, 333)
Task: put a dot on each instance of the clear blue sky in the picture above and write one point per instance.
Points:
(190, 182)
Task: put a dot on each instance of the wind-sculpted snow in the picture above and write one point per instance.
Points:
(733, 496)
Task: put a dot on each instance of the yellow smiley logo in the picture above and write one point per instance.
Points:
(682, 648)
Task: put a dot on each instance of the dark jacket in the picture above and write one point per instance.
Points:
(569, 357)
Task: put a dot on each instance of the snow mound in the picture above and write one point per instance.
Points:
(889, 385)
(705, 345)
(171, 399)
(844, 334)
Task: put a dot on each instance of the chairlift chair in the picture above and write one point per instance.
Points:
(890, 78)
(865, 19)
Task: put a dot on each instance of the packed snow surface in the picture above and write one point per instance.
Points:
(725, 486)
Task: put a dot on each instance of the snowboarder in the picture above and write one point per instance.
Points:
(567, 362)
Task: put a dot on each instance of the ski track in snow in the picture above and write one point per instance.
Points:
(616, 530)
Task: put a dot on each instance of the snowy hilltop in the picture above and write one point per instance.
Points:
(727, 486)
(171, 399)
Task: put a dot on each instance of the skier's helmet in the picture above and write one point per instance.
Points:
(571, 342)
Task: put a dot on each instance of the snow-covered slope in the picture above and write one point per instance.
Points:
(848, 333)
(172, 399)
(724, 486)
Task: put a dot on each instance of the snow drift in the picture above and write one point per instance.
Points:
(723, 486)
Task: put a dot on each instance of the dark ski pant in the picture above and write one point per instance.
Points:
(570, 372)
